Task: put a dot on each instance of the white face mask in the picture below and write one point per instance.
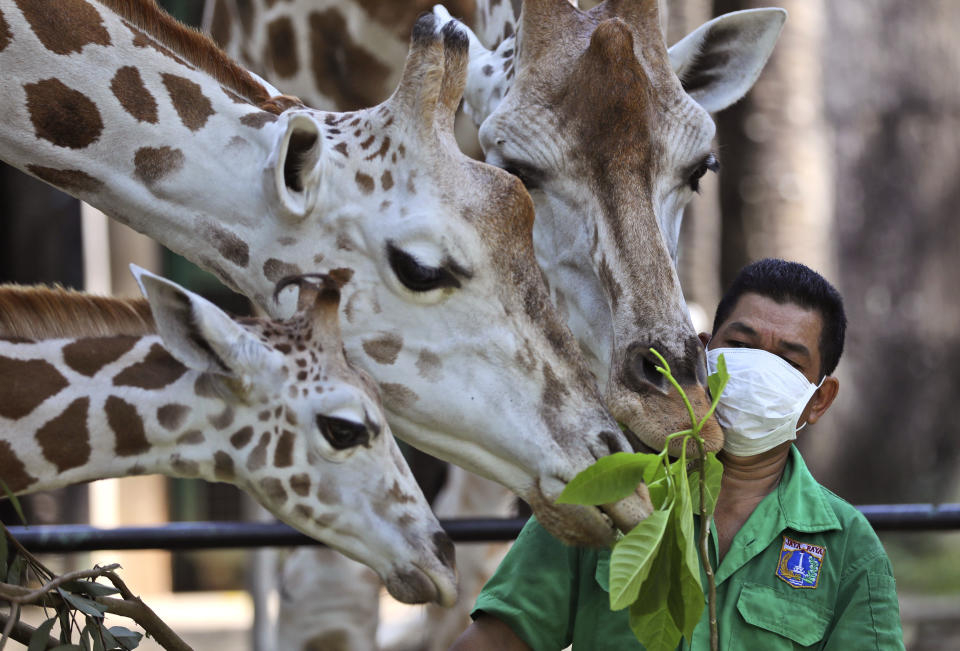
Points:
(762, 402)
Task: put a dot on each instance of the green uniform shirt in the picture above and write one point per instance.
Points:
(805, 571)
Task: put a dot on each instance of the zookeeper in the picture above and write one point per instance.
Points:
(796, 566)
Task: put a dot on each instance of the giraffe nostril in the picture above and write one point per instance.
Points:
(445, 549)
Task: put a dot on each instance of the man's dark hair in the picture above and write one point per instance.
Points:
(792, 282)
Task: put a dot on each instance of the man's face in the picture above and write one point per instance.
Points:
(787, 330)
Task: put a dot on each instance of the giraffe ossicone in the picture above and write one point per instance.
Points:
(610, 132)
(437, 243)
(271, 406)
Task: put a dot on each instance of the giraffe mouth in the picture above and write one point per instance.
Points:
(416, 585)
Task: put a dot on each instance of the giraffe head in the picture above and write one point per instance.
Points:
(610, 132)
(447, 307)
(309, 439)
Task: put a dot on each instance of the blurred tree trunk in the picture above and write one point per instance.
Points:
(893, 98)
(775, 188)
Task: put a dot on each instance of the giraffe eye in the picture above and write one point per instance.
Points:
(418, 277)
(342, 434)
(709, 164)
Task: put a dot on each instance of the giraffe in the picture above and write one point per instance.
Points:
(148, 121)
(336, 54)
(270, 406)
(589, 110)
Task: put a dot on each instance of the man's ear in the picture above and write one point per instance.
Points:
(822, 399)
(704, 338)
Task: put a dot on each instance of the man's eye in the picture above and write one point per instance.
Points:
(710, 163)
(418, 277)
(342, 434)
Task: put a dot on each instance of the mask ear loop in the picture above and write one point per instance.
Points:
(811, 395)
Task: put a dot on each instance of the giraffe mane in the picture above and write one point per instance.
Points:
(55, 313)
(196, 48)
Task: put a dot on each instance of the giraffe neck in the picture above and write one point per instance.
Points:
(79, 410)
(120, 112)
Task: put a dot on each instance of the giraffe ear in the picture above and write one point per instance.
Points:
(487, 80)
(296, 166)
(719, 62)
(199, 334)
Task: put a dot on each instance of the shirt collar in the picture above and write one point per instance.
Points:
(801, 499)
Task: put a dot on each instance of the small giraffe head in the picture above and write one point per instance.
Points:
(610, 132)
(307, 435)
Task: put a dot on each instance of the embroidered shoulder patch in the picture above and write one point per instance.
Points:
(800, 563)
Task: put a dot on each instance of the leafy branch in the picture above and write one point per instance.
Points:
(77, 601)
(653, 568)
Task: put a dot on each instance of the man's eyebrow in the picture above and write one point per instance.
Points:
(800, 349)
(743, 328)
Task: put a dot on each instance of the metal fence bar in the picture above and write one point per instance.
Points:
(210, 535)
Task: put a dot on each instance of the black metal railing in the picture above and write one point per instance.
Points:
(209, 535)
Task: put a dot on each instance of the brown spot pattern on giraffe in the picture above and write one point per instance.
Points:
(127, 86)
(428, 365)
(65, 26)
(188, 99)
(25, 384)
(229, 245)
(88, 355)
(127, 427)
(257, 119)
(283, 454)
(224, 419)
(191, 437)
(12, 470)
(360, 84)
(399, 396)
(151, 164)
(382, 151)
(65, 439)
(72, 181)
(171, 416)
(241, 437)
(273, 490)
(365, 183)
(384, 349)
(258, 457)
(280, 50)
(386, 180)
(64, 116)
(157, 370)
(300, 483)
(275, 269)
(223, 466)
(184, 467)
(5, 35)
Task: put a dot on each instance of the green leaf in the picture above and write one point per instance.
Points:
(125, 637)
(85, 636)
(84, 605)
(718, 379)
(711, 487)
(38, 640)
(14, 501)
(16, 573)
(90, 588)
(67, 647)
(658, 492)
(610, 479)
(632, 557)
(686, 592)
(650, 616)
